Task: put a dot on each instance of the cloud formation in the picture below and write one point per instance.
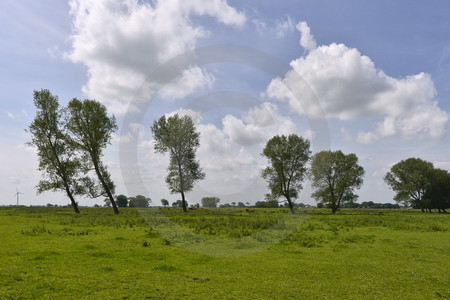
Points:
(335, 81)
(121, 41)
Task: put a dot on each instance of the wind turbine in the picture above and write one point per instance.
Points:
(17, 195)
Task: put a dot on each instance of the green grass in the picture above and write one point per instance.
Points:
(51, 253)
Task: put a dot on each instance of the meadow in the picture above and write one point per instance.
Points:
(160, 253)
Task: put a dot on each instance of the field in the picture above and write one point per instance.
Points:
(51, 253)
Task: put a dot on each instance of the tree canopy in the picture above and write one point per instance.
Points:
(335, 176)
(177, 136)
(90, 130)
(210, 201)
(139, 201)
(122, 201)
(287, 157)
(418, 184)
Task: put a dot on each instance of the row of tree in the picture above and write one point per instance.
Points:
(70, 143)
(334, 175)
(124, 201)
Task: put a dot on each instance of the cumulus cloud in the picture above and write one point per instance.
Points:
(195, 115)
(335, 81)
(259, 124)
(191, 80)
(121, 41)
(307, 41)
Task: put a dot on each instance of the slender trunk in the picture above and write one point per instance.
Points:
(183, 199)
(183, 202)
(291, 205)
(105, 186)
(72, 200)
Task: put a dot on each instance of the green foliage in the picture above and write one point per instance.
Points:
(122, 201)
(418, 184)
(437, 195)
(210, 201)
(59, 164)
(409, 179)
(287, 157)
(90, 133)
(176, 135)
(139, 201)
(165, 202)
(178, 203)
(267, 204)
(335, 176)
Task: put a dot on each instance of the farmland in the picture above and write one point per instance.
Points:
(157, 253)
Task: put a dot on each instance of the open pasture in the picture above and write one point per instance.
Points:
(51, 253)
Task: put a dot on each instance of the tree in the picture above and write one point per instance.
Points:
(165, 202)
(177, 136)
(241, 205)
(210, 201)
(91, 131)
(335, 176)
(287, 158)
(139, 201)
(437, 195)
(122, 201)
(177, 203)
(410, 180)
(59, 164)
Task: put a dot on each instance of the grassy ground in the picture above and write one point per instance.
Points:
(50, 253)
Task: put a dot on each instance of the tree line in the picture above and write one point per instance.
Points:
(70, 142)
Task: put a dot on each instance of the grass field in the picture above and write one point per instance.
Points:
(51, 253)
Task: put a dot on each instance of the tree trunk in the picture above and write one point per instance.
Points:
(334, 208)
(291, 205)
(74, 203)
(183, 202)
(72, 200)
(105, 186)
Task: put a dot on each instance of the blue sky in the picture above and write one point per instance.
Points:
(374, 73)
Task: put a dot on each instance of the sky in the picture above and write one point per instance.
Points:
(365, 77)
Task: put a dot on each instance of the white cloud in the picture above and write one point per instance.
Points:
(13, 116)
(259, 124)
(191, 80)
(278, 27)
(282, 27)
(195, 115)
(335, 81)
(307, 41)
(121, 41)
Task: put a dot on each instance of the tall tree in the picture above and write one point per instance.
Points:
(410, 179)
(57, 161)
(287, 157)
(176, 135)
(91, 129)
(335, 176)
